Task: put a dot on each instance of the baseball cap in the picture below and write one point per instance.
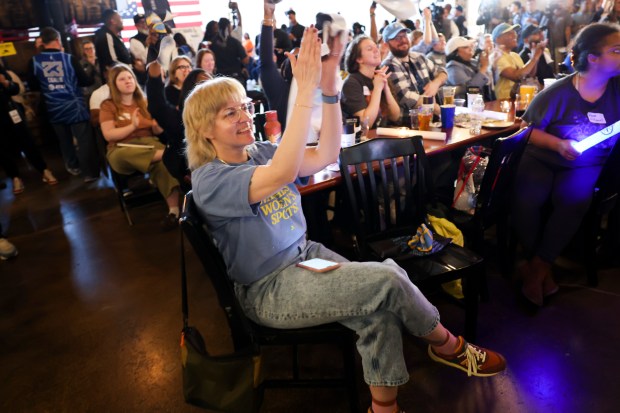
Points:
(392, 30)
(503, 28)
(457, 42)
(154, 21)
(459, 8)
(138, 17)
(290, 11)
(529, 30)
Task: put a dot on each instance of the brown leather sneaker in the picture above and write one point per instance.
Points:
(474, 360)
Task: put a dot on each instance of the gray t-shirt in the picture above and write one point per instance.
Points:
(561, 111)
(256, 239)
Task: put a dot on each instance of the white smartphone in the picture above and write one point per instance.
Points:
(319, 265)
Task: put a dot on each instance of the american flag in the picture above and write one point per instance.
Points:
(127, 9)
(186, 13)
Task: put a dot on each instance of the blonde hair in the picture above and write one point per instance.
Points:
(199, 114)
(115, 94)
(176, 62)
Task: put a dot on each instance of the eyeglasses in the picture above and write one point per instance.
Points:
(400, 37)
(233, 115)
(183, 67)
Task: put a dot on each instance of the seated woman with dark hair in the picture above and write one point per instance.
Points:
(366, 92)
(246, 192)
(463, 70)
(130, 131)
(552, 170)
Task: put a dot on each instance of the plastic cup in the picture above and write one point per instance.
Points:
(448, 94)
(364, 126)
(447, 116)
(506, 107)
(459, 102)
(475, 125)
(471, 98)
(425, 116)
(529, 91)
(413, 118)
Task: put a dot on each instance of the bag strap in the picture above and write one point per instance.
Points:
(466, 179)
(184, 307)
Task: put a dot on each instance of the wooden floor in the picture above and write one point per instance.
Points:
(90, 316)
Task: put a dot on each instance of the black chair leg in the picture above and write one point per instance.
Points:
(348, 356)
(592, 226)
(471, 290)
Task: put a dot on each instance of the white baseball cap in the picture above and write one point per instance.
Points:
(457, 42)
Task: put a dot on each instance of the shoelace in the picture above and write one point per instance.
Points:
(473, 355)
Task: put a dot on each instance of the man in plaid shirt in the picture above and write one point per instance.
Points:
(412, 75)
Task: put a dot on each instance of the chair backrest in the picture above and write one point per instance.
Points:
(608, 182)
(496, 185)
(394, 194)
(259, 126)
(199, 236)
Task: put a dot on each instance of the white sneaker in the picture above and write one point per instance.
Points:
(7, 250)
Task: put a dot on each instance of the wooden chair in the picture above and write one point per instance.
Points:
(493, 202)
(245, 332)
(388, 183)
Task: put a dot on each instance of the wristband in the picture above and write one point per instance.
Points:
(331, 99)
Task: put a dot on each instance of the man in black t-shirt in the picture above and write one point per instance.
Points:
(229, 53)
(109, 43)
(532, 36)
(295, 30)
(459, 20)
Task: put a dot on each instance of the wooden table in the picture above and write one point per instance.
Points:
(315, 193)
(456, 138)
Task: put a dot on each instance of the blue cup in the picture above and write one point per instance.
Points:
(447, 116)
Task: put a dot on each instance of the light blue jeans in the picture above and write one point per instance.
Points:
(376, 300)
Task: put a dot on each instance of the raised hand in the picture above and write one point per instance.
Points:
(167, 46)
(306, 66)
(269, 8)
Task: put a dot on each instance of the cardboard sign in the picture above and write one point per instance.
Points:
(7, 49)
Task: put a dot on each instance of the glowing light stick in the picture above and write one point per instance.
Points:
(598, 137)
